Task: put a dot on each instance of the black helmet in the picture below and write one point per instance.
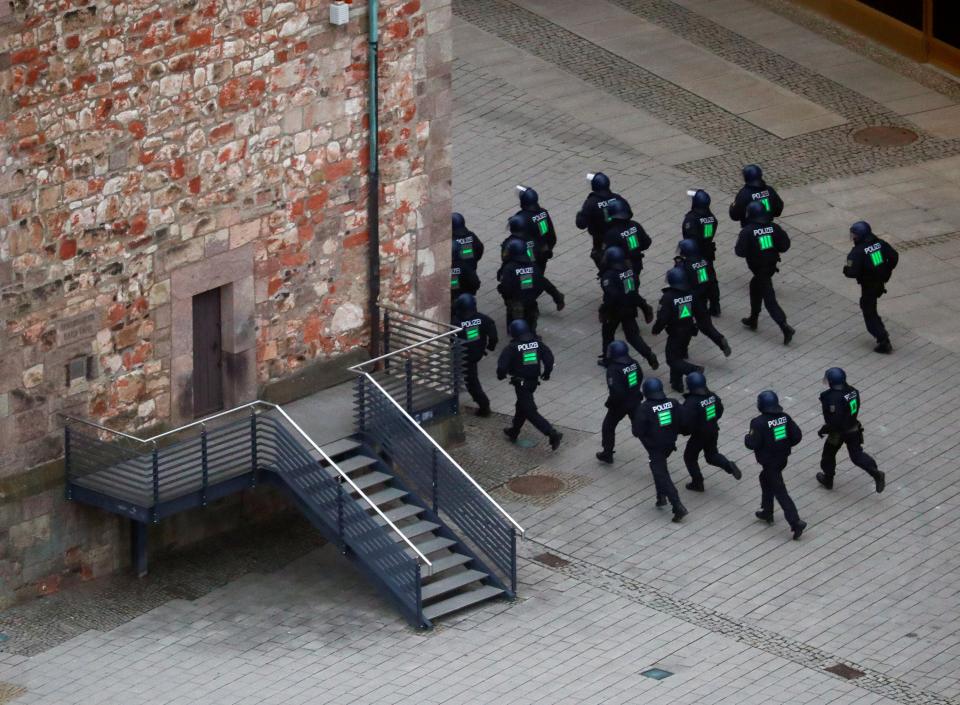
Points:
(752, 174)
(516, 224)
(617, 209)
(617, 350)
(600, 182)
(465, 303)
(688, 249)
(516, 248)
(458, 222)
(529, 197)
(701, 199)
(613, 255)
(835, 377)
(677, 279)
(653, 389)
(768, 401)
(756, 213)
(518, 328)
(696, 382)
(861, 231)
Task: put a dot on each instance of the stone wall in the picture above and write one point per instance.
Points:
(152, 150)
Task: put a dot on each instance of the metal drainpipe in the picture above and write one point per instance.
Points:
(373, 184)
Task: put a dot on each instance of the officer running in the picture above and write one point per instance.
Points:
(630, 237)
(700, 225)
(761, 243)
(700, 415)
(675, 314)
(656, 424)
(771, 437)
(517, 226)
(479, 334)
(841, 411)
(871, 262)
(697, 270)
(538, 225)
(619, 307)
(521, 282)
(755, 190)
(624, 377)
(523, 358)
(594, 214)
(467, 251)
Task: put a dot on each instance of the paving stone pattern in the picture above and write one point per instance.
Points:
(797, 160)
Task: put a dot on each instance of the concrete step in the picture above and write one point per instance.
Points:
(459, 602)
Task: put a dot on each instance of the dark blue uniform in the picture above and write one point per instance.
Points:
(656, 423)
(700, 225)
(619, 308)
(479, 335)
(526, 360)
(871, 263)
(841, 412)
(624, 377)
(761, 192)
(700, 414)
(761, 244)
(521, 282)
(467, 251)
(675, 314)
(771, 437)
(593, 217)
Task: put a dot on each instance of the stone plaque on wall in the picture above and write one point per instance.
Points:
(77, 329)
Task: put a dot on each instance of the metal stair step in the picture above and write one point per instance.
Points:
(344, 445)
(458, 602)
(356, 462)
(434, 544)
(404, 511)
(450, 583)
(383, 496)
(446, 563)
(368, 480)
(417, 529)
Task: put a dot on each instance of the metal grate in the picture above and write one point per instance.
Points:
(535, 485)
(551, 560)
(927, 241)
(845, 671)
(657, 674)
(884, 136)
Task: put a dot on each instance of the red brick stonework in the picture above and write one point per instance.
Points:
(152, 150)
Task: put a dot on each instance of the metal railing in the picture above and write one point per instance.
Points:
(421, 364)
(420, 462)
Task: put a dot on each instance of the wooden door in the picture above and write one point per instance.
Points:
(207, 354)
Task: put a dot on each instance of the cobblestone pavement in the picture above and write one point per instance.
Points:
(738, 612)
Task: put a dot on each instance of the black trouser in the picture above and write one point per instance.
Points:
(677, 351)
(611, 319)
(772, 487)
(472, 381)
(527, 407)
(551, 290)
(615, 414)
(705, 441)
(761, 291)
(596, 254)
(713, 288)
(854, 441)
(518, 309)
(704, 321)
(869, 293)
(661, 475)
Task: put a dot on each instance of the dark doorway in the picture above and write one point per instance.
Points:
(207, 354)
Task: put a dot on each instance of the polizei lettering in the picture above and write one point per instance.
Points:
(708, 401)
(626, 274)
(663, 407)
(760, 195)
(709, 219)
(519, 271)
(539, 216)
(465, 240)
(470, 324)
(764, 231)
(528, 346)
(872, 248)
(777, 422)
(683, 299)
(454, 270)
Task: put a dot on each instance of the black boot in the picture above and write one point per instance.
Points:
(647, 312)
(714, 310)
(787, 334)
(510, 433)
(695, 485)
(825, 480)
(798, 530)
(652, 361)
(750, 323)
(735, 471)
(555, 438)
(560, 301)
(679, 512)
(725, 346)
(884, 347)
(483, 411)
(766, 516)
(605, 456)
(661, 501)
(881, 481)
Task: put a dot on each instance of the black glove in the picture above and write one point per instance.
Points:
(824, 430)
(501, 376)
(491, 346)
(545, 376)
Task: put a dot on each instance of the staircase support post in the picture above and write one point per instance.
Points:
(435, 472)
(204, 477)
(513, 561)
(138, 547)
(66, 462)
(254, 466)
(156, 483)
(343, 544)
(408, 374)
(386, 339)
(361, 404)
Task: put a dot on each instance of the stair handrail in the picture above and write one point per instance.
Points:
(153, 439)
(441, 324)
(440, 448)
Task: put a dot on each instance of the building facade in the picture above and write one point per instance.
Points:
(183, 204)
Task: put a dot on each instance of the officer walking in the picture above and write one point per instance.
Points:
(841, 411)
(675, 314)
(517, 226)
(630, 237)
(771, 437)
(467, 251)
(623, 386)
(594, 214)
(479, 334)
(527, 360)
(871, 262)
(521, 282)
(761, 242)
(619, 307)
(697, 270)
(700, 416)
(755, 190)
(656, 424)
(700, 225)
(538, 225)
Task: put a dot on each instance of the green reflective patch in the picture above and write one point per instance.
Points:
(632, 242)
(766, 203)
(711, 412)
(779, 432)
(876, 258)
(766, 242)
(632, 379)
(708, 230)
(466, 252)
(473, 333)
(685, 311)
(629, 285)
(665, 417)
(455, 283)
(543, 226)
(526, 282)
(702, 275)
(530, 358)
(854, 407)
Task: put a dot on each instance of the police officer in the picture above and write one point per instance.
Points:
(697, 270)
(619, 307)
(772, 435)
(630, 237)
(675, 314)
(755, 190)
(656, 424)
(521, 282)
(871, 262)
(517, 227)
(700, 225)
(841, 411)
(467, 251)
(623, 386)
(594, 214)
(479, 334)
(527, 360)
(538, 225)
(700, 416)
(761, 242)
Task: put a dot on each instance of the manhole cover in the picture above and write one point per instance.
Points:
(526, 443)
(884, 136)
(551, 560)
(535, 485)
(845, 671)
(658, 674)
